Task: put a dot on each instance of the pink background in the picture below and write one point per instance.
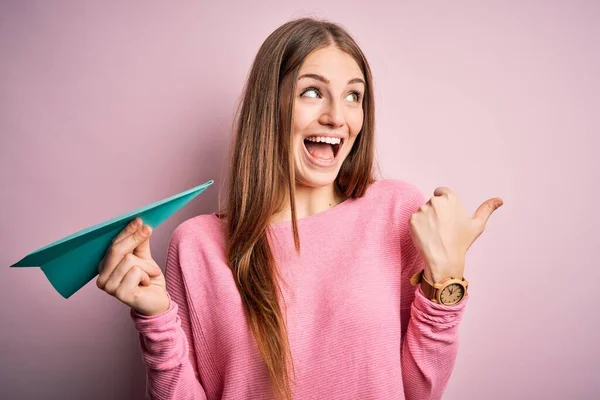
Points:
(108, 106)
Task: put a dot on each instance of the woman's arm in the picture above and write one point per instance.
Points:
(167, 343)
(429, 343)
(429, 331)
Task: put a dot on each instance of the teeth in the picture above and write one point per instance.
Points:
(324, 139)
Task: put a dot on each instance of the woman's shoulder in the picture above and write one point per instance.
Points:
(198, 246)
(198, 230)
(396, 191)
(392, 202)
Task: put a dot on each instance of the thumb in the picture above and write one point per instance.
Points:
(143, 249)
(485, 210)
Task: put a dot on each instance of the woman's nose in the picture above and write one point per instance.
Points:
(333, 114)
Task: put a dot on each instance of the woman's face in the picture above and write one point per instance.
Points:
(328, 115)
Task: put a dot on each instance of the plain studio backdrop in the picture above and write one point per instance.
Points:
(109, 106)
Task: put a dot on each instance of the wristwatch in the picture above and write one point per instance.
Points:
(449, 292)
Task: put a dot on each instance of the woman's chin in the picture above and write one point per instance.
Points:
(316, 179)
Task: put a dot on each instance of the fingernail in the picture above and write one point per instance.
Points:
(146, 230)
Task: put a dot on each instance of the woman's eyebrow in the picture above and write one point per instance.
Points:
(325, 80)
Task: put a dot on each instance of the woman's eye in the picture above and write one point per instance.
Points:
(354, 96)
(311, 92)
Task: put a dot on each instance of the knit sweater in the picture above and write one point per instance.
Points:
(357, 328)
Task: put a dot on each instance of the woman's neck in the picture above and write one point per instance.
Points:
(309, 201)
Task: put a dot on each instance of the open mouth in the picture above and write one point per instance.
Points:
(323, 148)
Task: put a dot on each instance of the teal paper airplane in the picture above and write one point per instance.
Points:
(72, 261)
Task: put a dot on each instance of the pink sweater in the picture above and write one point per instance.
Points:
(357, 328)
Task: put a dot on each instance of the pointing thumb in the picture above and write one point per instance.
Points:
(485, 210)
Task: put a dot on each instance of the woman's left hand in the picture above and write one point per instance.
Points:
(443, 231)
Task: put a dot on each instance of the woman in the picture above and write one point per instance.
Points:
(301, 288)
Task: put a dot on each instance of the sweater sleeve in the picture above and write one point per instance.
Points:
(167, 343)
(429, 331)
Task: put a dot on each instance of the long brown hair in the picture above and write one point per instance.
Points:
(261, 173)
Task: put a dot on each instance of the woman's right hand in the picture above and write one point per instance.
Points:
(129, 273)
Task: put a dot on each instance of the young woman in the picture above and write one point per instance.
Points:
(301, 286)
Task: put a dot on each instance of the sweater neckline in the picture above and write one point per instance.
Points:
(314, 218)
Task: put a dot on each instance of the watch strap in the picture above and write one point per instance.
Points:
(428, 290)
(426, 287)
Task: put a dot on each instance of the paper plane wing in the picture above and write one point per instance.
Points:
(73, 261)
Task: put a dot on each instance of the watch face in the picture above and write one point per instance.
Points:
(452, 294)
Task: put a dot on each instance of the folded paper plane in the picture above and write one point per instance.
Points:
(73, 261)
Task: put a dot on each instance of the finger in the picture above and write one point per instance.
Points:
(132, 280)
(443, 191)
(129, 243)
(128, 230)
(113, 257)
(129, 261)
(110, 282)
(143, 249)
(485, 210)
(118, 251)
(101, 264)
(425, 207)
